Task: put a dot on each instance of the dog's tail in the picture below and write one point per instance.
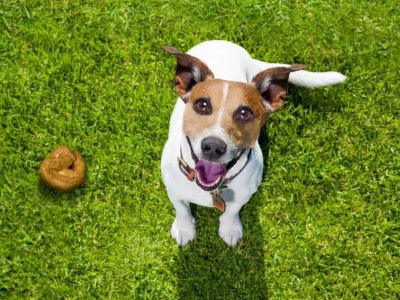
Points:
(305, 78)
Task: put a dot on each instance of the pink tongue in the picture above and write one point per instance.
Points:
(209, 172)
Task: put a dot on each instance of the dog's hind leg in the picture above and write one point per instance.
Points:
(183, 229)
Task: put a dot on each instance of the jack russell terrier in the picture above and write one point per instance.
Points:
(212, 156)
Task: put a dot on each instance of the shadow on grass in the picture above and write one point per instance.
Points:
(322, 100)
(209, 269)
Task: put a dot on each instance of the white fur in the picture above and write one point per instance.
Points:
(227, 61)
(221, 111)
(196, 73)
(305, 78)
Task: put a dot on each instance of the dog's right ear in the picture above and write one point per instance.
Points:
(189, 71)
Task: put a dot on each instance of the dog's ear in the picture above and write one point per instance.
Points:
(189, 71)
(272, 85)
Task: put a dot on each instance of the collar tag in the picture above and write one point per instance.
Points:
(217, 200)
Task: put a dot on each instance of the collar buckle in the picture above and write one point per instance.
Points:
(186, 169)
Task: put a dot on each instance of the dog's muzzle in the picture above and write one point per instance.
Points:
(211, 176)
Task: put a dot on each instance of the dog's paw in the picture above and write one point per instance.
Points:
(183, 231)
(230, 230)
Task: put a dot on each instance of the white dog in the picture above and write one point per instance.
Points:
(212, 156)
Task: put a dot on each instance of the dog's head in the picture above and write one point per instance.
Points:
(223, 118)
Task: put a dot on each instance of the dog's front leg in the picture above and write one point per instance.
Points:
(183, 229)
(230, 226)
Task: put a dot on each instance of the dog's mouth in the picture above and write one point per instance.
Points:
(209, 175)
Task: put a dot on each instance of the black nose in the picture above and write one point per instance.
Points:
(213, 148)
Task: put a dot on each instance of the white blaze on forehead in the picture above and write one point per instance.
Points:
(225, 88)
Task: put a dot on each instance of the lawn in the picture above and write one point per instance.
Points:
(91, 75)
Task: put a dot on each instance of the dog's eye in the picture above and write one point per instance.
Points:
(243, 114)
(202, 106)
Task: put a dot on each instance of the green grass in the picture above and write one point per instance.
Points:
(91, 75)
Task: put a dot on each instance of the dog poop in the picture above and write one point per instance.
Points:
(64, 170)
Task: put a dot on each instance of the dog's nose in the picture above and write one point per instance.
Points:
(213, 148)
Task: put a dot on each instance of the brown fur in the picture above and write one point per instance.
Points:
(239, 94)
(264, 95)
(184, 79)
(276, 91)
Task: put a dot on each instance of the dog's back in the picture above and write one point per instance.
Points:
(227, 60)
(232, 62)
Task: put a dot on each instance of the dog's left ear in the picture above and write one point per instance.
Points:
(189, 71)
(272, 85)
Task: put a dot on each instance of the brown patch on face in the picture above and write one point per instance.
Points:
(243, 95)
(237, 94)
(194, 123)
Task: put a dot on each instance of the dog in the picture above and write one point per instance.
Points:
(212, 156)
